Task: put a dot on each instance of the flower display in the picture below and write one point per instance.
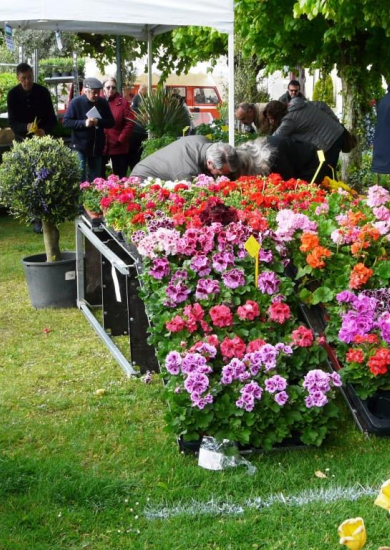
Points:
(237, 358)
(361, 335)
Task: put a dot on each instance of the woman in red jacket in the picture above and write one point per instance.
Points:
(117, 138)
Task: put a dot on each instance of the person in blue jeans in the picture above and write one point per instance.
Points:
(88, 115)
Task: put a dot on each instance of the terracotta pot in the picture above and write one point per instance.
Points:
(93, 215)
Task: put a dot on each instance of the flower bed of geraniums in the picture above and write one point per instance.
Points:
(237, 361)
(343, 263)
(335, 242)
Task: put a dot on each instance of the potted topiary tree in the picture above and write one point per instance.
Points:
(40, 179)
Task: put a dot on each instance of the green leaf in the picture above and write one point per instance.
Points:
(383, 270)
(322, 295)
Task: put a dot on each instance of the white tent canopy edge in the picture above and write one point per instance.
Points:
(140, 19)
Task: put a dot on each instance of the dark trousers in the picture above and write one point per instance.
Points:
(135, 148)
(91, 167)
(332, 156)
(119, 165)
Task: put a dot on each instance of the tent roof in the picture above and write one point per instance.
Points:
(123, 17)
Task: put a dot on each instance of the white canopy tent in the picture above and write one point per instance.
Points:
(141, 19)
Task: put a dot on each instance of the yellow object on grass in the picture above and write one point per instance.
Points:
(352, 533)
(383, 499)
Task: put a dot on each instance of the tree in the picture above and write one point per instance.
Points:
(358, 35)
(323, 90)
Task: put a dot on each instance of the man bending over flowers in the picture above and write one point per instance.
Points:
(186, 158)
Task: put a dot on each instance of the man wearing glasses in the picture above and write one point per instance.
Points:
(87, 116)
(293, 90)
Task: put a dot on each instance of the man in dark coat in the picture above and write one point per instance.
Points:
(293, 90)
(284, 156)
(381, 151)
(29, 101)
(88, 115)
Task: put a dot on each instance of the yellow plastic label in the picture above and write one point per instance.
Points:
(321, 158)
(185, 130)
(252, 246)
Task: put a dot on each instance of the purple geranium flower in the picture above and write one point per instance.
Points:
(201, 265)
(178, 292)
(205, 287)
(268, 282)
(160, 268)
(173, 362)
(234, 278)
(281, 398)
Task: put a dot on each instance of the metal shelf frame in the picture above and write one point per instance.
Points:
(107, 279)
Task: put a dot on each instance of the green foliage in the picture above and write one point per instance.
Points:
(363, 177)
(39, 179)
(218, 131)
(162, 114)
(6, 56)
(7, 81)
(323, 90)
(45, 42)
(150, 146)
(62, 64)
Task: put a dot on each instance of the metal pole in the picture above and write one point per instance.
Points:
(76, 88)
(231, 87)
(36, 69)
(21, 54)
(150, 61)
(119, 82)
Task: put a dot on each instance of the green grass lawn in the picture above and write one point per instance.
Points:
(80, 470)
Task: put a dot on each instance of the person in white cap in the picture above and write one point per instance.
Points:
(87, 116)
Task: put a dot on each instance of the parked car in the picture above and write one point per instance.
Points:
(202, 101)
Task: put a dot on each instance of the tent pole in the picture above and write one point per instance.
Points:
(150, 61)
(119, 82)
(231, 87)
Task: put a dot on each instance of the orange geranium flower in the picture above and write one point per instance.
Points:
(315, 258)
(355, 217)
(358, 246)
(359, 276)
(309, 241)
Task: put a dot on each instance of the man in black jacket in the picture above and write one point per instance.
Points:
(284, 156)
(88, 115)
(293, 90)
(29, 101)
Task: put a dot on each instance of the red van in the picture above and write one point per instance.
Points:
(201, 100)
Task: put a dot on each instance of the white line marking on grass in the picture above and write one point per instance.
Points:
(219, 508)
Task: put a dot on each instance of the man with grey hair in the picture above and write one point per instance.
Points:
(187, 157)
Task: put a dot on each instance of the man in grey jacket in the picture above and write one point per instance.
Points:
(186, 158)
